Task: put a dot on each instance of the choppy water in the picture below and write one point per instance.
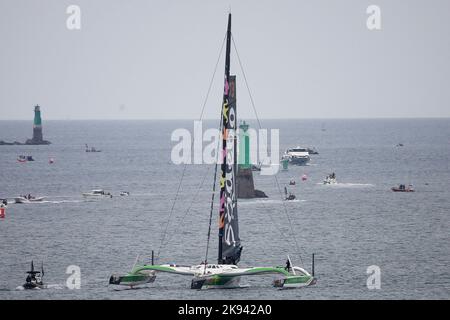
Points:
(349, 226)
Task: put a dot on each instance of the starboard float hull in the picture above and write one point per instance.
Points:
(293, 282)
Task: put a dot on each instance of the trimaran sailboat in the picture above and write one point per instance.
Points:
(226, 273)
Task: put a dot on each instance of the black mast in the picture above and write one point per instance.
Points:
(224, 141)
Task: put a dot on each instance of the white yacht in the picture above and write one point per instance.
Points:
(298, 156)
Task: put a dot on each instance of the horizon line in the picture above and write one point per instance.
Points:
(243, 118)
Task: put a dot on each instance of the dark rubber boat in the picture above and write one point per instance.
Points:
(34, 278)
(403, 188)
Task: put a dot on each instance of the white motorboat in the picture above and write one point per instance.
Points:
(97, 193)
(28, 199)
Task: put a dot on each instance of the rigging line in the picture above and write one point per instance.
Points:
(259, 123)
(213, 193)
(246, 82)
(171, 212)
(290, 223)
(213, 76)
(189, 208)
(192, 142)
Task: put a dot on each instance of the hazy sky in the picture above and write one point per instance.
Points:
(154, 59)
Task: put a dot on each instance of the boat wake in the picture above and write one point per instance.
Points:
(295, 200)
(47, 286)
(271, 201)
(65, 201)
(344, 185)
(124, 288)
(55, 286)
(51, 201)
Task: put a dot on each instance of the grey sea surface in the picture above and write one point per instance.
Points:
(350, 226)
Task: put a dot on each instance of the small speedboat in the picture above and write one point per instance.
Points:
(288, 196)
(92, 149)
(28, 199)
(99, 193)
(34, 278)
(292, 182)
(403, 188)
(23, 158)
(124, 193)
(330, 179)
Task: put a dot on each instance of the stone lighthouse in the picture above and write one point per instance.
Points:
(37, 129)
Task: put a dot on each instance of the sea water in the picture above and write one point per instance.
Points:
(350, 226)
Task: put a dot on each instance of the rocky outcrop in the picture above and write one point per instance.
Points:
(28, 142)
(245, 185)
(36, 142)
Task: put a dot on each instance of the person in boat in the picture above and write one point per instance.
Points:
(288, 266)
(30, 278)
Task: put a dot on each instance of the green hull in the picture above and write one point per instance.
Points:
(131, 279)
(218, 281)
(294, 282)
